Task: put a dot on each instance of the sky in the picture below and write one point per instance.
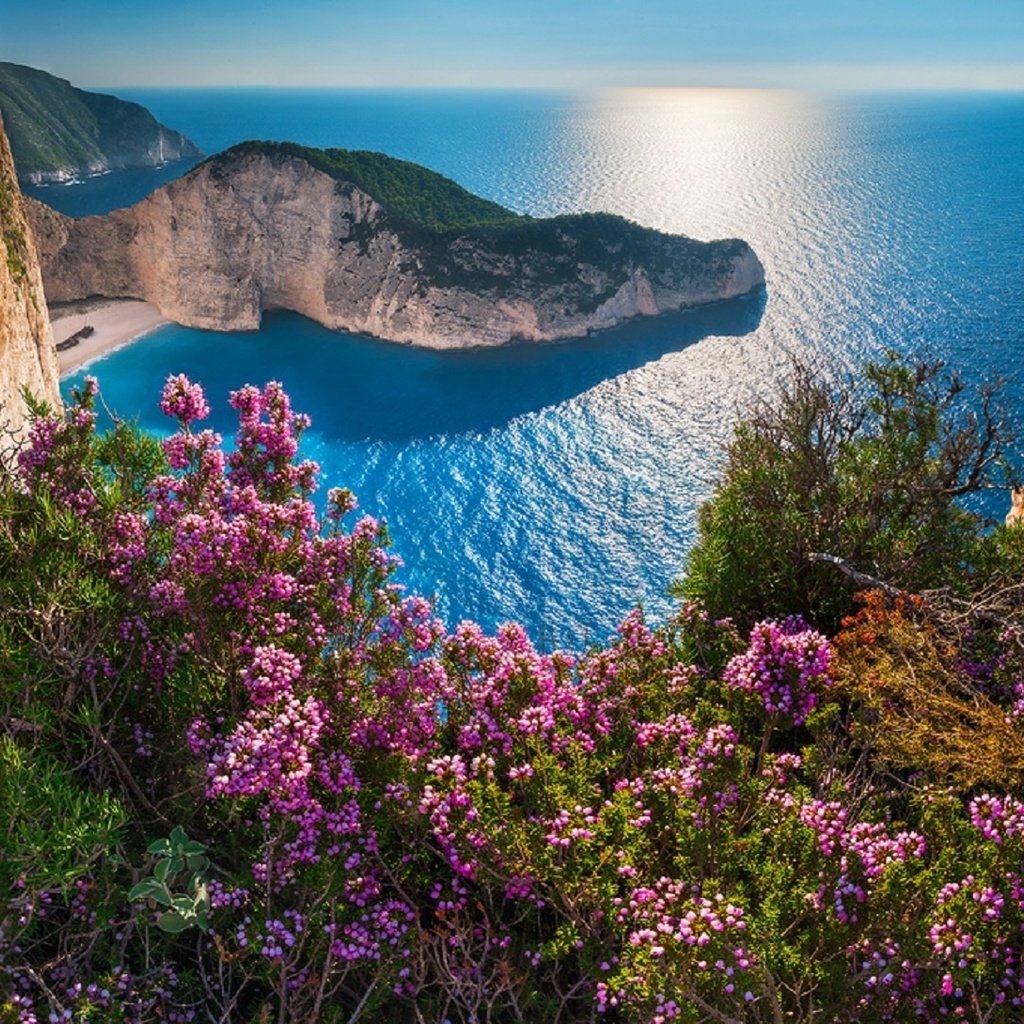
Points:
(813, 44)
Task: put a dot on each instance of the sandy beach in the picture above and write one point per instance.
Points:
(115, 321)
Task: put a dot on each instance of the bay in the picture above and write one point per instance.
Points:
(557, 485)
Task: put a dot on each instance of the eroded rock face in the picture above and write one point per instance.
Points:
(241, 235)
(27, 354)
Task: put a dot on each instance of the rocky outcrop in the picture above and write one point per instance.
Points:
(60, 133)
(27, 355)
(265, 227)
(1015, 517)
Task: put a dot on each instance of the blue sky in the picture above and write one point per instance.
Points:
(563, 43)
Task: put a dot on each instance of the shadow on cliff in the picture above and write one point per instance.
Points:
(394, 393)
(359, 389)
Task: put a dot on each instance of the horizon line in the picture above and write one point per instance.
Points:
(561, 87)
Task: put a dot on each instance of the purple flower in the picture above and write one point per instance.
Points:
(785, 665)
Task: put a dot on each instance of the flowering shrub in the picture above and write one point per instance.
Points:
(783, 667)
(421, 823)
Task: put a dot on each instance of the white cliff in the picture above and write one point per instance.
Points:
(27, 355)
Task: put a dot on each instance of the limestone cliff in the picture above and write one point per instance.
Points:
(27, 355)
(58, 132)
(377, 246)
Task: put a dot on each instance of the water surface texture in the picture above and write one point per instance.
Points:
(558, 484)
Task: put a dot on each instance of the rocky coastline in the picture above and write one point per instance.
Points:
(27, 355)
(266, 226)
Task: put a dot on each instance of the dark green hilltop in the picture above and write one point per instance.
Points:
(430, 210)
(58, 132)
(412, 194)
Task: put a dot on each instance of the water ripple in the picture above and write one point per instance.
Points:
(559, 484)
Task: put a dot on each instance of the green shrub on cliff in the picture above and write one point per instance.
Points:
(12, 236)
(870, 471)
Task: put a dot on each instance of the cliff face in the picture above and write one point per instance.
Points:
(58, 133)
(258, 229)
(27, 355)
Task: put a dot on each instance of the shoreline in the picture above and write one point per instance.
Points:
(116, 322)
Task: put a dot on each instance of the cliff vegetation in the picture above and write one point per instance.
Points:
(12, 233)
(413, 195)
(244, 777)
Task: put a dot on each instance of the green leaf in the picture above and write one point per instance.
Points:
(191, 848)
(172, 922)
(163, 895)
(178, 836)
(162, 870)
(198, 862)
(143, 890)
(202, 897)
(160, 847)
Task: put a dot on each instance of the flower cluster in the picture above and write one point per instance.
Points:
(184, 401)
(56, 459)
(786, 665)
(403, 814)
(997, 818)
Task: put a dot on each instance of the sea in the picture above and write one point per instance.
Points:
(558, 485)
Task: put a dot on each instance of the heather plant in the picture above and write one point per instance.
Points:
(287, 792)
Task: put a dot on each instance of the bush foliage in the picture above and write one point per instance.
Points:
(246, 778)
(870, 471)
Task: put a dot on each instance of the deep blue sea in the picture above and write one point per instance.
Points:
(558, 484)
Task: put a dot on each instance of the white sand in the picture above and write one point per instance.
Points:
(116, 322)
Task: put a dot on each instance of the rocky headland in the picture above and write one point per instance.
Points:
(369, 244)
(59, 133)
(27, 356)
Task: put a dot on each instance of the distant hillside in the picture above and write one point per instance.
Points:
(58, 132)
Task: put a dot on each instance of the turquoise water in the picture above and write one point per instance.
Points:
(558, 484)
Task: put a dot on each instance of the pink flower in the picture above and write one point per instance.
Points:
(184, 400)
